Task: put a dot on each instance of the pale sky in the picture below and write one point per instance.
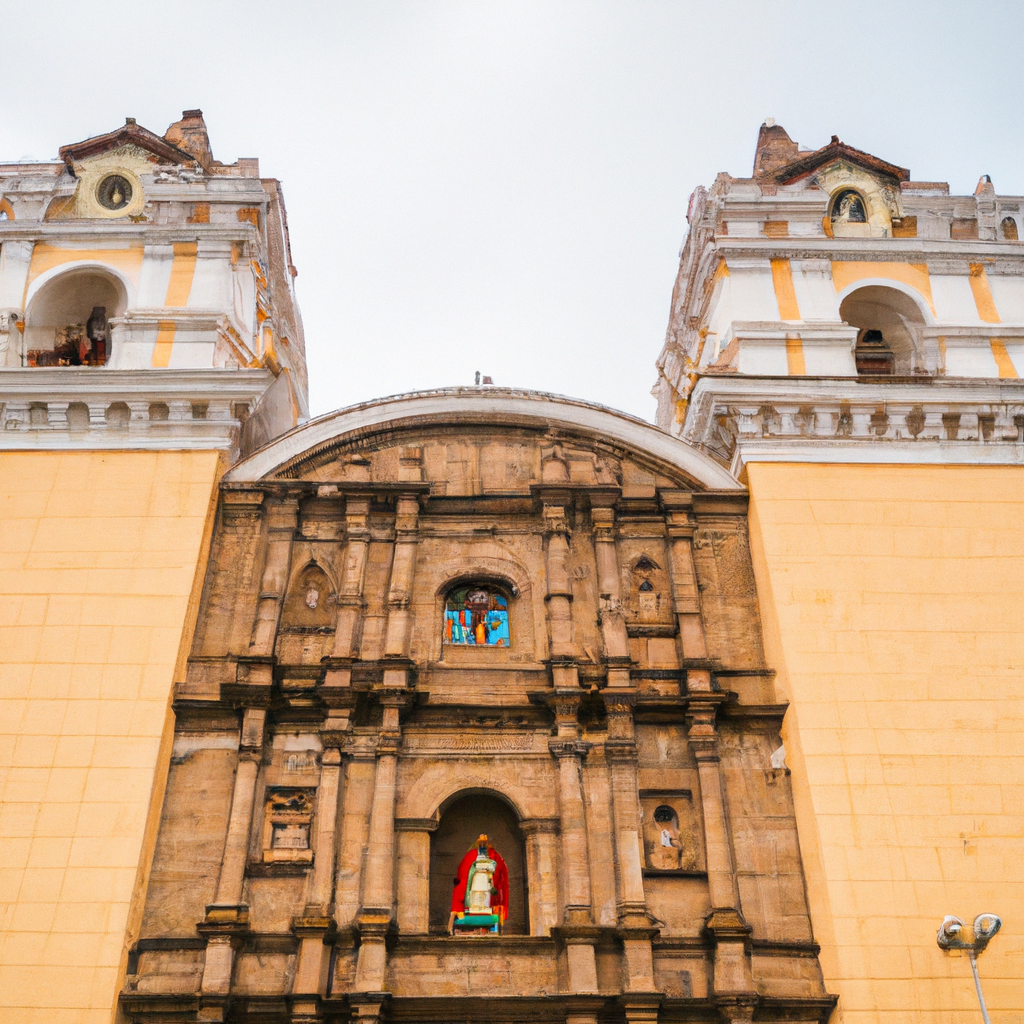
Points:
(502, 186)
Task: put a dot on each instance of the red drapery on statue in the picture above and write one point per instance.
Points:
(499, 903)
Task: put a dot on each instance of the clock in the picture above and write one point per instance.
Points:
(114, 192)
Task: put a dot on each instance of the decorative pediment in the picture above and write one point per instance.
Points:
(157, 149)
(808, 163)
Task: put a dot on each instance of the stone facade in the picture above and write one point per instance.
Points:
(334, 756)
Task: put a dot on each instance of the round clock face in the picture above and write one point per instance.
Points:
(114, 192)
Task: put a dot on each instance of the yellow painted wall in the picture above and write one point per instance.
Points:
(893, 602)
(99, 554)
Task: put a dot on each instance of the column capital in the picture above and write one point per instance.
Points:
(555, 521)
(569, 748)
(538, 826)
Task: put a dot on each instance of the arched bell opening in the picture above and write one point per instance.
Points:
(889, 339)
(67, 322)
(462, 823)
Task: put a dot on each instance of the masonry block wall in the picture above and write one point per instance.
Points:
(892, 599)
(99, 553)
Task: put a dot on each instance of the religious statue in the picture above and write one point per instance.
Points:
(480, 896)
(848, 208)
(666, 853)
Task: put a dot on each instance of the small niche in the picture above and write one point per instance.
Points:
(308, 605)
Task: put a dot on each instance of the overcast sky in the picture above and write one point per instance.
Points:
(502, 186)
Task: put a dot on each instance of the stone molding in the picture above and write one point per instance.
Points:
(201, 408)
(486, 405)
(958, 421)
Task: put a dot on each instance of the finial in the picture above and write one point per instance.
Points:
(769, 122)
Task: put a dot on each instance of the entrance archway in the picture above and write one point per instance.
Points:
(461, 823)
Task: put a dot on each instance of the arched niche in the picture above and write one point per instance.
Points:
(67, 322)
(486, 564)
(308, 603)
(464, 818)
(889, 322)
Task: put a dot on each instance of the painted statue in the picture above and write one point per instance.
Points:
(480, 896)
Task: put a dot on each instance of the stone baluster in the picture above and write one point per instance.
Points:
(227, 918)
(403, 569)
(379, 875)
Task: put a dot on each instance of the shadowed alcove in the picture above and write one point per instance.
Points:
(890, 322)
(67, 322)
(466, 818)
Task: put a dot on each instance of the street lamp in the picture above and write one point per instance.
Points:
(985, 927)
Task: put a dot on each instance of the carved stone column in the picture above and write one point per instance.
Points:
(680, 526)
(315, 928)
(542, 873)
(635, 923)
(403, 569)
(577, 928)
(379, 878)
(413, 867)
(282, 519)
(227, 918)
(355, 830)
(350, 595)
(613, 622)
(559, 598)
(733, 981)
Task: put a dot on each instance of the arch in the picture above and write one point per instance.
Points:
(889, 322)
(6, 209)
(1009, 229)
(308, 602)
(67, 315)
(922, 301)
(124, 282)
(499, 407)
(469, 814)
(432, 792)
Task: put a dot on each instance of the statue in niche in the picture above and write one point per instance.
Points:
(666, 854)
(848, 208)
(307, 605)
(480, 894)
(476, 616)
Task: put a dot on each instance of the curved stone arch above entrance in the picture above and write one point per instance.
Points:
(501, 407)
(530, 793)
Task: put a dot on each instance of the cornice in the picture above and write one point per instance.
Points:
(934, 421)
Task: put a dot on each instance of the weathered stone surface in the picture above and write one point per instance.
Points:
(649, 846)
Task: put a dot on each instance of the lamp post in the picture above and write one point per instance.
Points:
(985, 927)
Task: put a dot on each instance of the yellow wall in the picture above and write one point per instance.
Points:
(98, 557)
(893, 602)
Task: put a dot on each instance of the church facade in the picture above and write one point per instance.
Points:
(462, 616)
(491, 705)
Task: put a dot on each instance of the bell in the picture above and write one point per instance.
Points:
(117, 198)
